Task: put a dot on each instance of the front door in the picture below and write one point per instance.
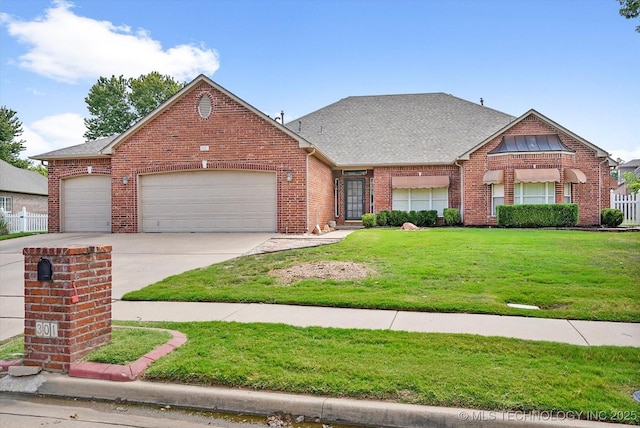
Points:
(354, 198)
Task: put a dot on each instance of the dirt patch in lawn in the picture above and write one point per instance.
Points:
(339, 271)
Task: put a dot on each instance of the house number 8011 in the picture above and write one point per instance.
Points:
(46, 329)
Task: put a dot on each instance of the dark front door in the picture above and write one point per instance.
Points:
(354, 197)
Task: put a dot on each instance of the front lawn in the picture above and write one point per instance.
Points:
(430, 369)
(567, 274)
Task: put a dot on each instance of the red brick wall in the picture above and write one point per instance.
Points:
(62, 169)
(590, 196)
(383, 175)
(320, 185)
(82, 325)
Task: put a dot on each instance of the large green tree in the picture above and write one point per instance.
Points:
(10, 144)
(117, 103)
(630, 9)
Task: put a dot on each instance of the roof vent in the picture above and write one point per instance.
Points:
(204, 106)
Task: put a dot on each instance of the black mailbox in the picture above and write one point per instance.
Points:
(45, 269)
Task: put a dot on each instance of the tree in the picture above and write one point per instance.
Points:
(107, 102)
(148, 92)
(630, 9)
(10, 145)
(117, 103)
(632, 182)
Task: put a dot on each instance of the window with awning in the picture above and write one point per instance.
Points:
(574, 176)
(420, 182)
(493, 177)
(536, 175)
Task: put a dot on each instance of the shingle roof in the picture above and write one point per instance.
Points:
(20, 180)
(89, 149)
(431, 128)
(631, 164)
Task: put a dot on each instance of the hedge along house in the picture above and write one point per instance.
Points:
(435, 151)
(206, 161)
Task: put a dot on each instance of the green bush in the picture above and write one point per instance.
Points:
(451, 216)
(398, 218)
(611, 217)
(368, 220)
(538, 215)
(381, 218)
(4, 226)
(426, 218)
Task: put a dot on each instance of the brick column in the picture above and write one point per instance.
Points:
(60, 328)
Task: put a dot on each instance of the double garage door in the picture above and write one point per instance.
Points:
(208, 201)
(189, 201)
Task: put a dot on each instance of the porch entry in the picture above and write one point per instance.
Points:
(354, 198)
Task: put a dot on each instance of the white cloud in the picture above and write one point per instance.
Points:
(52, 133)
(71, 48)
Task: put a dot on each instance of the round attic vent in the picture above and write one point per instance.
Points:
(204, 106)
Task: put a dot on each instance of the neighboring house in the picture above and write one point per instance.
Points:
(21, 188)
(207, 161)
(631, 166)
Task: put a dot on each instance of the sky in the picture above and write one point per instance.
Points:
(575, 61)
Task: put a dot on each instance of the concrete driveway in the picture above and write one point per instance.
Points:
(138, 260)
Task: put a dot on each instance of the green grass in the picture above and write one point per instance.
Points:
(126, 346)
(429, 369)
(18, 235)
(568, 274)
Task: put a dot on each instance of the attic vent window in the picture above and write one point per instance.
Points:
(204, 106)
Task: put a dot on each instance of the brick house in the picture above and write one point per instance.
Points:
(207, 161)
(22, 188)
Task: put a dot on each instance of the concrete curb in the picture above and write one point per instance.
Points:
(324, 409)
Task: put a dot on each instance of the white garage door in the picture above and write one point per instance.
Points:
(208, 201)
(86, 204)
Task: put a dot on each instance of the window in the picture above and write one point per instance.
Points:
(534, 193)
(6, 204)
(497, 197)
(421, 199)
(567, 193)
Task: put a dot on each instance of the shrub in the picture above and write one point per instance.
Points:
(611, 217)
(4, 226)
(368, 220)
(398, 218)
(426, 218)
(538, 215)
(451, 216)
(381, 218)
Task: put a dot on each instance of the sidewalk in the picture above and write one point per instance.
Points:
(587, 333)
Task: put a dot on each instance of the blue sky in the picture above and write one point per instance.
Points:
(575, 61)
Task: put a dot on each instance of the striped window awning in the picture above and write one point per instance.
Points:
(420, 182)
(574, 176)
(536, 175)
(493, 177)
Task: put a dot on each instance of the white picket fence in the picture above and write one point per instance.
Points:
(24, 221)
(629, 205)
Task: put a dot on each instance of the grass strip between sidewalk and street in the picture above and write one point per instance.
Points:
(567, 274)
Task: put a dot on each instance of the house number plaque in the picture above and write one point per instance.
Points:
(46, 329)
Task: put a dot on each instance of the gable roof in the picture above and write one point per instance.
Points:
(599, 152)
(18, 180)
(103, 147)
(431, 128)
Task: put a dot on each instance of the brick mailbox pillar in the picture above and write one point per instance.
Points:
(68, 314)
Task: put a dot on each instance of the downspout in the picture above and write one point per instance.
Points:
(600, 184)
(461, 191)
(307, 187)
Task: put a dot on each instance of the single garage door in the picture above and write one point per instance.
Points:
(86, 204)
(208, 201)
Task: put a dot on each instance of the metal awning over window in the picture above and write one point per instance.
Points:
(530, 143)
(420, 182)
(493, 177)
(574, 176)
(536, 175)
